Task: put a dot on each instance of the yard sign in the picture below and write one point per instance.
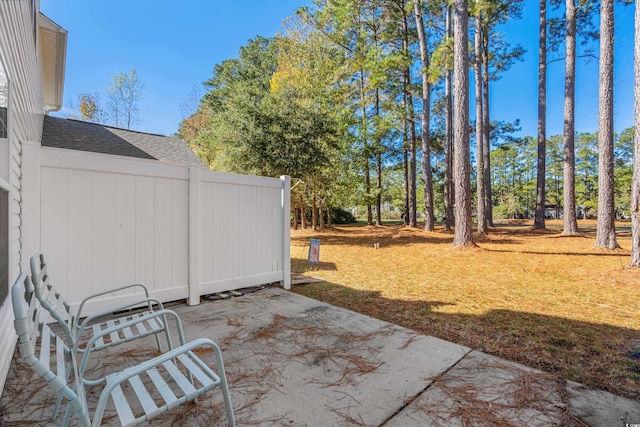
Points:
(314, 251)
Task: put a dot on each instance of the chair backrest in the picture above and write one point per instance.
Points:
(44, 351)
(50, 299)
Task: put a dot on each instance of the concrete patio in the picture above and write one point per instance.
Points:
(294, 361)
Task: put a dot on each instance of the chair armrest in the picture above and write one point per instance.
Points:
(158, 360)
(106, 332)
(111, 291)
(87, 320)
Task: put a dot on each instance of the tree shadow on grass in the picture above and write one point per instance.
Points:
(383, 236)
(301, 265)
(553, 232)
(597, 355)
(624, 253)
(493, 240)
(380, 237)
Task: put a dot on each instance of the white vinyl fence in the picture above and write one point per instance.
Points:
(107, 221)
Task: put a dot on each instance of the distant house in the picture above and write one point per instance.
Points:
(552, 211)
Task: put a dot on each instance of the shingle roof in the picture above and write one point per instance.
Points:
(85, 136)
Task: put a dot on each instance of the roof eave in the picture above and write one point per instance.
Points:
(53, 55)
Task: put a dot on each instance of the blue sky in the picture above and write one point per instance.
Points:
(174, 45)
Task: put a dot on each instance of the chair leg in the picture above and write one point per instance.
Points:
(56, 407)
(59, 398)
(224, 387)
(67, 414)
(227, 403)
(166, 333)
(158, 343)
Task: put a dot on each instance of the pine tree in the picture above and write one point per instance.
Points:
(635, 189)
(426, 110)
(569, 216)
(606, 231)
(541, 198)
(461, 164)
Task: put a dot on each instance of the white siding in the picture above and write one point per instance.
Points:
(18, 54)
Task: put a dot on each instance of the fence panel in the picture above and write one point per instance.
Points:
(240, 231)
(107, 221)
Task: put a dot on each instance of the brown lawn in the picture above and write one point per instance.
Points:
(536, 297)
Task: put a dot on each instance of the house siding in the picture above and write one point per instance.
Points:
(19, 55)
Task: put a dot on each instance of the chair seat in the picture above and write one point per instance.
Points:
(161, 386)
(142, 328)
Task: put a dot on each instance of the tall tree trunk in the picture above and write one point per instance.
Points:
(448, 177)
(329, 223)
(462, 165)
(365, 149)
(378, 168)
(295, 217)
(569, 215)
(379, 189)
(487, 130)
(410, 117)
(541, 197)
(413, 206)
(321, 214)
(368, 189)
(635, 190)
(405, 163)
(606, 231)
(303, 213)
(480, 184)
(314, 214)
(378, 152)
(426, 113)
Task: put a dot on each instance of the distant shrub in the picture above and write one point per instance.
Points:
(391, 215)
(341, 216)
(500, 212)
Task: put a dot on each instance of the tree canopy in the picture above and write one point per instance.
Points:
(121, 108)
(340, 99)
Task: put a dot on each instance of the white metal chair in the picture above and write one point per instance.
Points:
(80, 330)
(137, 394)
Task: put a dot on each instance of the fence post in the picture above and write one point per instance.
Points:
(286, 231)
(194, 235)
